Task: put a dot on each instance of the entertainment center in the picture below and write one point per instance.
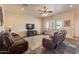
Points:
(31, 30)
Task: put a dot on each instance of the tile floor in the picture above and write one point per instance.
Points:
(69, 46)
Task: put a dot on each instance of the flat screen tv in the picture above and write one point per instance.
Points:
(30, 26)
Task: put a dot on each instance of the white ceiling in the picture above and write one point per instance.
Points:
(33, 9)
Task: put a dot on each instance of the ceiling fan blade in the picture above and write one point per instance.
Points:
(41, 13)
(40, 10)
(25, 5)
(50, 11)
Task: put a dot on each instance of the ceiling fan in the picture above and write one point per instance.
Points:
(44, 11)
(24, 5)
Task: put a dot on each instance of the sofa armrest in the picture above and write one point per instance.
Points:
(19, 47)
(47, 43)
(19, 41)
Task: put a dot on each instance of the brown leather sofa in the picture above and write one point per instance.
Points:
(12, 46)
(55, 41)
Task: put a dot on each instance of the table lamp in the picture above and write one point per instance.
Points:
(9, 28)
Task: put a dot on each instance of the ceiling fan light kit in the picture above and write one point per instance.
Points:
(44, 14)
(44, 11)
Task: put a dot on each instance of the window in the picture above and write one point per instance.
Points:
(58, 25)
(47, 24)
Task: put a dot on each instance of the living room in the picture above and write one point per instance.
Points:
(44, 20)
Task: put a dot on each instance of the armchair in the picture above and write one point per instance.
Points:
(55, 41)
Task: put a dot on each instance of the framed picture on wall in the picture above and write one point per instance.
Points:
(66, 23)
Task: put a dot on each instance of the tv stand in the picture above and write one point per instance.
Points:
(31, 33)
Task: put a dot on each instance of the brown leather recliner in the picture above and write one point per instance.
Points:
(14, 47)
(57, 40)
